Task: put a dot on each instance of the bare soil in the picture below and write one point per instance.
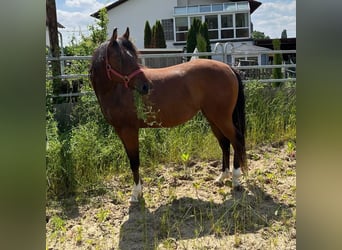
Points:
(183, 208)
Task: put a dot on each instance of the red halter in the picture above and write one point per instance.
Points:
(125, 78)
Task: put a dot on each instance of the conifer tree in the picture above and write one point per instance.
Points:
(196, 28)
(147, 35)
(277, 59)
(158, 38)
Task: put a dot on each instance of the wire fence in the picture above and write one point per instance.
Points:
(260, 73)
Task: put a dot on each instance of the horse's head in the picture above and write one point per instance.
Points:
(122, 63)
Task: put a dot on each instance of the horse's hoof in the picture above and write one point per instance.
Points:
(136, 193)
(224, 175)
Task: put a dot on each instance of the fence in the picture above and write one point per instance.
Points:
(261, 73)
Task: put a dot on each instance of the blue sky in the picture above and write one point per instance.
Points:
(272, 17)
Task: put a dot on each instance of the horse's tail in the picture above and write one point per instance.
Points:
(239, 120)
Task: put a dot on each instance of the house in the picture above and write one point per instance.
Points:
(228, 21)
(285, 44)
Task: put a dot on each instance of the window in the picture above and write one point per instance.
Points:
(168, 29)
(241, 23)
(181, 28)
(212, 26)
(229, 20)
(227, 34)
(241, 20)
(242, 33)
(227, 26)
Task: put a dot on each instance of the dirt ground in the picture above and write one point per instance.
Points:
(183, 208)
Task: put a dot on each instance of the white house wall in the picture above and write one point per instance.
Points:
(135, 13)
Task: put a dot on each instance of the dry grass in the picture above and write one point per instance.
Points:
(183, 209)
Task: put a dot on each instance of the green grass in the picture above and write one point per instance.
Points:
(83, 153)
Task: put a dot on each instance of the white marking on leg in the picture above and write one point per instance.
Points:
(236, 177)
(224, 175)
(136, 192)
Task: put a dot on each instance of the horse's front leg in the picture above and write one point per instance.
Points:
(129, 137)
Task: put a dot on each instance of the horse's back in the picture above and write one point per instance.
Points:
(180, 91)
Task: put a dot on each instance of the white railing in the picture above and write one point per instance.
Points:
(220, 52)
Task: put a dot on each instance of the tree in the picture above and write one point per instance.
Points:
(191, 41)
(259, 35)
(147, 35)
(205, 33)
(196, 28)
(158, 38)
(201, 44)
(54, 47)
(283, 34)
(277, 60)
(99, 33)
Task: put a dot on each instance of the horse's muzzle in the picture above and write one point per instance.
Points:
(143, 88)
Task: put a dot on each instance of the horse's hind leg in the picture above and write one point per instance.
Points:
(129, 138)
(226, 132)
(225, 147)
(231, 132)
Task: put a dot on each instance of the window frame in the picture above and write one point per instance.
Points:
(243, 32)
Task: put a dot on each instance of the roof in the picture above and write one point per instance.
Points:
(252, 4)
(285, 43)
(58, 24)
(249, 48)
(109, 7)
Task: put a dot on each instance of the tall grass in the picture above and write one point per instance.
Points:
(82, 155)
(270, 112)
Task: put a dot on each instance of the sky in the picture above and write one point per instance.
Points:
(272, 17)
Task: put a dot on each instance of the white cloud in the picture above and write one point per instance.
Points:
(75, 23)
(83, 3)
(76, 18)
(273, 17)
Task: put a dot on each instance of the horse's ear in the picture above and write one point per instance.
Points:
(126, 35)
(115, 35)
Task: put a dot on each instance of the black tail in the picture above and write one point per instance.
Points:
(239, 119)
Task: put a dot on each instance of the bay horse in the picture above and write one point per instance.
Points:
(175, 94)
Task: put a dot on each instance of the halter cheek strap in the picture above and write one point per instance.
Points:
(126, 78)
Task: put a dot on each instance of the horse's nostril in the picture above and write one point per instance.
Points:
(145, 89)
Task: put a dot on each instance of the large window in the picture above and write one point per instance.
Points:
(242, 25)
(182, 27)
(212, 22)
(227, 26)
(168, 29)
(226, 21)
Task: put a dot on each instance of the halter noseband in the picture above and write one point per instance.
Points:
(125, 78)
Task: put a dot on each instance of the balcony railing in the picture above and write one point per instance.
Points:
(211, 8)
